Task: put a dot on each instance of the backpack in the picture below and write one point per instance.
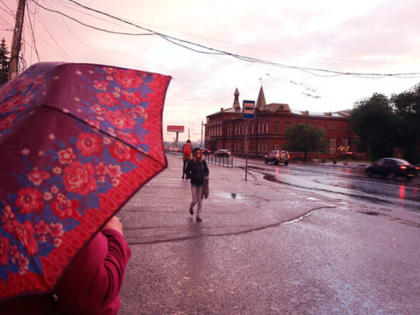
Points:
(187, 149)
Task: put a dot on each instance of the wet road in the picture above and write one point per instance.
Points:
(348, 182)
(298, 240)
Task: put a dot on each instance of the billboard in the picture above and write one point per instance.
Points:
(173, 128)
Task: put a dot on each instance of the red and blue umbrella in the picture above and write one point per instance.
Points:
(76, 142)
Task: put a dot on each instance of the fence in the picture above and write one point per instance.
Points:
(210, 158)
(219, 160)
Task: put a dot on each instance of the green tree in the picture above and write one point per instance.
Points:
(305, 138)
(373, 120)
(406, 106)
(4, 61)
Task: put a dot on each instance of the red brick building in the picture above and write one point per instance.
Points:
(226, 128)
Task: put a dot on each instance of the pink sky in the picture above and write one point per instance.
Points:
(363, 36)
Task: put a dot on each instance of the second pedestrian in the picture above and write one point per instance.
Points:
(197, 170)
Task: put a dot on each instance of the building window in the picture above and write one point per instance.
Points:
(276, 128)
(332, 146)
(266, 127)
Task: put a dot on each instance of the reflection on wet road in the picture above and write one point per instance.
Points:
(349, 182)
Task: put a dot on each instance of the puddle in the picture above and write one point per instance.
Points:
(369, 212)
(312, 199)
(227, 195)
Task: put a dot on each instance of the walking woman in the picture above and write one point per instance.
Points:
(196, 170)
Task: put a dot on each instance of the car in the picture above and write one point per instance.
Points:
(223, 152)
(277, 157)
(392, 167)
(205, 151)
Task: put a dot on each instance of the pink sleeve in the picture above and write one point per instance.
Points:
(115, 261)
(92, 282)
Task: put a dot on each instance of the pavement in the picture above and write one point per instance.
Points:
(265, 248)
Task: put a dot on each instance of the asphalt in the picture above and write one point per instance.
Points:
(265, 248)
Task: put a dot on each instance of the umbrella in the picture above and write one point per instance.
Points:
(76, 142)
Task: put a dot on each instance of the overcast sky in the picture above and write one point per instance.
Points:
(358, 36)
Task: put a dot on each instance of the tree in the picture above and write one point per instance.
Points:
(374, 122)
(4, 62)
(406, 106)
(305, 138)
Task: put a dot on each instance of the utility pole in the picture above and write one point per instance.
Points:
(189, 136)
(17, 39)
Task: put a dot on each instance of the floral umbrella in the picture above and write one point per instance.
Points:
(76, 142)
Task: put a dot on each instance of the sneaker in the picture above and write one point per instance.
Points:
(191, 211)
(182, 176)
(199, 219)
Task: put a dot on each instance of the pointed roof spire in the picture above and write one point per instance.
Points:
(261, 99)
(236, 105)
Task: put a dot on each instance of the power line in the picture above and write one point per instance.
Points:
(73, 7)
(52, 37)
(12, 15)
(83, 44)
(32, 31)
(88, 25)
(211, 50)
(6, 24)
(203, 49)
(10, 11)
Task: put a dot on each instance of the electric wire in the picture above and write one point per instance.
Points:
(83, 44)
(40, 20)
(88, 25)
(10, 10)
(32, 32)
(212, 50)
(75, 8)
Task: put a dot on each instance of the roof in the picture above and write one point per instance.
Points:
(261, 99)
(339, 114)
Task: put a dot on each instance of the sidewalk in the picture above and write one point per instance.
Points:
(159, 212)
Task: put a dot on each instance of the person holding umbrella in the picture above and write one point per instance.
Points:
(90, 284)
(197, 170)
(69, 161)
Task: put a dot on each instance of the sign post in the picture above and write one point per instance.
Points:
(249, 113)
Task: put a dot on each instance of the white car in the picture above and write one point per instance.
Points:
(277, 156)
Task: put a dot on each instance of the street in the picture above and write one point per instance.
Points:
(302, 239)
(348, 181)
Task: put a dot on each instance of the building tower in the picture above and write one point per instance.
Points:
(236, 105)
(261, 99)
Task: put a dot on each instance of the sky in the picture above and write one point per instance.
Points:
(375, 36)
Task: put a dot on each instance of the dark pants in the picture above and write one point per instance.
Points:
(184, 167)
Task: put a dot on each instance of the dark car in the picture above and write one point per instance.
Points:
(277, 156)
(206, 151)
(393, 168)
(223, 152)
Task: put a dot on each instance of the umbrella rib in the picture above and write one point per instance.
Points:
(102, 131)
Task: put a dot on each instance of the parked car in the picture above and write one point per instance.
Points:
(223, 152)
(392, 167)
(206, 151)
(277, 156)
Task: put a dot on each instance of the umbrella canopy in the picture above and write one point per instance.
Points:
(76, 142)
